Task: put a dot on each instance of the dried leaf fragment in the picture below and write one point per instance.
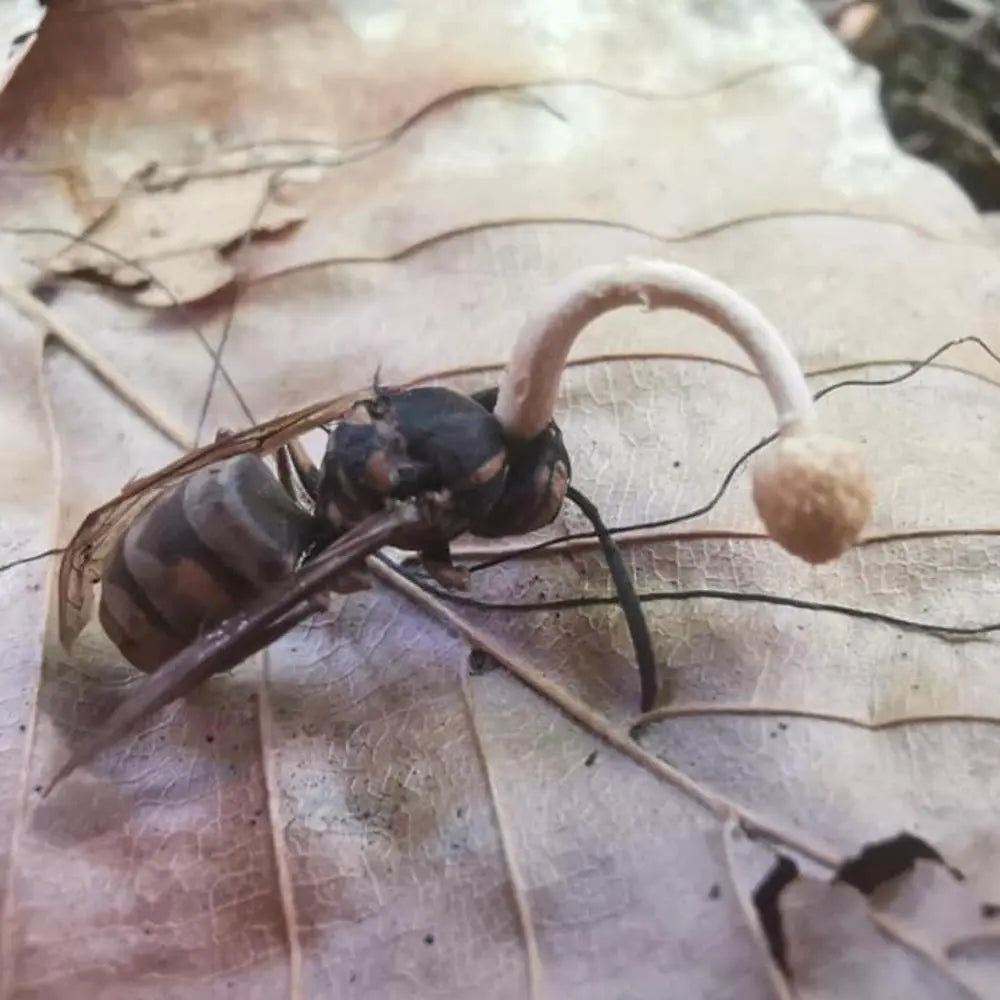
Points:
(178, 237)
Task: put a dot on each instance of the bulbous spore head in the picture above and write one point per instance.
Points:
(813, 495)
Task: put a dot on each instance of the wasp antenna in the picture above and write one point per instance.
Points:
(811, 490)
(627, 598)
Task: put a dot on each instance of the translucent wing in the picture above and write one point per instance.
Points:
(81, 565)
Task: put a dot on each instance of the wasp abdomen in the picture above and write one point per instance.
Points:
(196, 555)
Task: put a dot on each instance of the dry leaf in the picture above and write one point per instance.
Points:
(19, 22)
(360, 813)
(888, 917)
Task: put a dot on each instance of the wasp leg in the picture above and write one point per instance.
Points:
(305, 468)
(294, 457)
(436, 560)
(281, 460)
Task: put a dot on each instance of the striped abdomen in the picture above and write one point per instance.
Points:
(196, 555)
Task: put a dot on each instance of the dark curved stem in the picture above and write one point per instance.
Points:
(627, 597)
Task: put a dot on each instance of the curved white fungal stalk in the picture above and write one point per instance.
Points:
(810, 489)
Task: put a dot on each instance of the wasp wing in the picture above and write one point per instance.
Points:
(81, 564)
(260, 623)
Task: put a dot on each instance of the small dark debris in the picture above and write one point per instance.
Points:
(773, 733)
(22, 728)
(259, 812)
(460, 811)
(989, 911)
(715, 892)
(428, 938)
(885, 860)
(480, 662)
(147, 930)
(677, 463)
(591, 757)
(352, 977)
(209, 738)
(38, 789)
(782, 726)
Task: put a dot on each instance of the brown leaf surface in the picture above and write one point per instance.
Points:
(19, 21)
(357, 814)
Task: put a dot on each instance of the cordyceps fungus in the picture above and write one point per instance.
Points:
(810, 488)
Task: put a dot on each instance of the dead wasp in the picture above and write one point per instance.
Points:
(212, 558)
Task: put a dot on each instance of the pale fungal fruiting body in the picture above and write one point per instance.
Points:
(811, 490)
(812, 494)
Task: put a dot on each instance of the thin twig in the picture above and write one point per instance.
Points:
(36, 310)
(716, 804)
(155, 280)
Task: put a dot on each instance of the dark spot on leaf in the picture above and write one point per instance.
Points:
(428, 938)
(38, 788)
(591, 757)
(460, 811)
(480, 662)
(989, 911)
(677, 463)
(782, 726)
(209, 738)
(715, 892)
(22, 728)
(885, 860)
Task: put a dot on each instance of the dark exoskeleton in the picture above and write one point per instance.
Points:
(230, 531)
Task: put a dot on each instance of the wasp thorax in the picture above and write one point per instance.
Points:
(813, 495)
(411, 442)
